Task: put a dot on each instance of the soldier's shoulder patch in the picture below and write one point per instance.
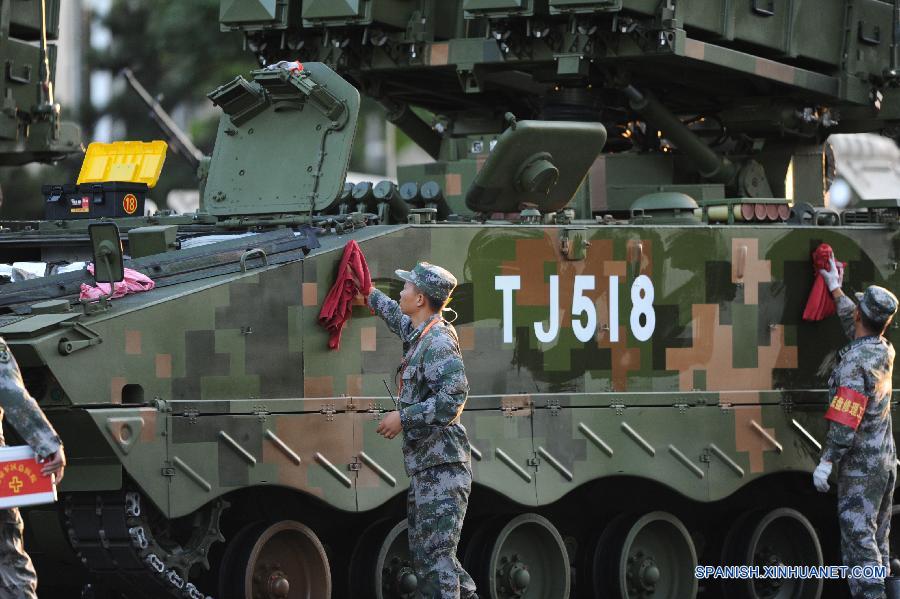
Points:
(847, 407)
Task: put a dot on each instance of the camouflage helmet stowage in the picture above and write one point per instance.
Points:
(433, 281)
(877, 303)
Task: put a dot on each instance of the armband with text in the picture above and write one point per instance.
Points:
(847, 407)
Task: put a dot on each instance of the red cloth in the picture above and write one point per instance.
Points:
(339, 302)
(820, 304)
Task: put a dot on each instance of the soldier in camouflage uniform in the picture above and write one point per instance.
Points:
(860, 440)
(433, 389)
(17, 576)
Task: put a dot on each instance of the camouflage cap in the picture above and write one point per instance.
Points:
(433, 281)
(877, 303)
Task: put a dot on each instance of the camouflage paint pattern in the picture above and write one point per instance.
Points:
(860, 437)
(432, 388)
(864, 514)
(21, 410)
(729, 386)
(860, 445)
(17, 576)
(436, 507)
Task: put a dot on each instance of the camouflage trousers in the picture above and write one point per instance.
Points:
(864, 513)
(436, 507)
(17, 576)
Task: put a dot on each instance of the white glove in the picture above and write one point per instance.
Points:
(834, 277)
(820, 476)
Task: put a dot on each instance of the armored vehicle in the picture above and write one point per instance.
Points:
(629, 192)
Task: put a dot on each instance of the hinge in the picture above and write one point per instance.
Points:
(261, 413)
(725, 407)
(618, 407)
(329, 411)
(553, 405)
(508, 410)
(788, 405)
(191, 414)
(160, 404)
(682, 407)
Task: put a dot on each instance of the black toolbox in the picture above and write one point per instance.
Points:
(112, 199)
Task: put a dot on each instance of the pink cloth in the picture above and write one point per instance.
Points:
(134, 282)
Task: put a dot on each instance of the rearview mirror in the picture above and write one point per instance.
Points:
(109, 264)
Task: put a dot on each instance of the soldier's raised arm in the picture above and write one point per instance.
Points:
(446, 379)
(845, 311)
(834, 278)
(22, 411)
(389, 310)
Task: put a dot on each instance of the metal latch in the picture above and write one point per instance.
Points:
(618, 407)
(68, 346)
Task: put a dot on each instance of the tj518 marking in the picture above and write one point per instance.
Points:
(585, 329)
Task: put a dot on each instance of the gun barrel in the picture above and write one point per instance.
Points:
(406, 120)
(709, 165)
(177, 138)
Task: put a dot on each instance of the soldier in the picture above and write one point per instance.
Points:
(860, 442)
(436, 452)
(18, 579)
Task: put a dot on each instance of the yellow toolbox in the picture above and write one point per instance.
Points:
(113, 181)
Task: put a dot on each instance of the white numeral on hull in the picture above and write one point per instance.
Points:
(584, 310)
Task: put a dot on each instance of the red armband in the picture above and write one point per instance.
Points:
(847, 407)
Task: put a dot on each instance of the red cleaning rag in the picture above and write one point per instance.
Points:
(820, 304)
(339, 302)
